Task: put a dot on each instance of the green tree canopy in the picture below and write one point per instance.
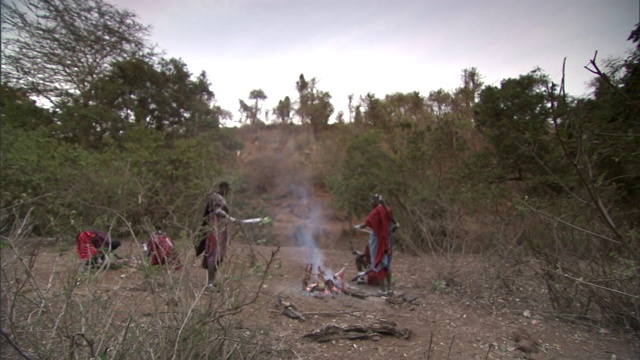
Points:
(516, 119)
(314, 105)
(161, 96)
(283, 110)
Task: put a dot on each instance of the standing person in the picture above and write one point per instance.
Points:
(214, 245)
(383, 223)
(160, 250)
(92, 246)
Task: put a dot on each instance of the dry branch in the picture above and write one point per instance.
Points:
(371, 331)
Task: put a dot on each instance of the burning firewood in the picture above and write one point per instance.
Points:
(305, 281)
(329, 285)
(321, 274)
(323, 283)
(307, 277)
(339, 277)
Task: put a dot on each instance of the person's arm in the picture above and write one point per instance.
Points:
(207, 212)
(201, 246)
(221, 213)
(218, 207)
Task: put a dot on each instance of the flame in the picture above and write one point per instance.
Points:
(323, 284)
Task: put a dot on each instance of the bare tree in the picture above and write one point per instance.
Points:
(56, 48)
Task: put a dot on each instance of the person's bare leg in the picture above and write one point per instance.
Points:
(388, 278)
(361, 265)
(211, 275)
(382, 283)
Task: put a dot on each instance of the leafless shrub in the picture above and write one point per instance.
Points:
(49, 310)
(591, 285)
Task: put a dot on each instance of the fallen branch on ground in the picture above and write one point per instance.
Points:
(371, 331)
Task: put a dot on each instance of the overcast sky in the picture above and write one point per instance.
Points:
(382, 47)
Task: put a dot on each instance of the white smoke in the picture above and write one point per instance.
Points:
(309, 229)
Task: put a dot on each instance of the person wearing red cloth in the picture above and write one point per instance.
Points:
(160, 250)
(382, 223)
(92, 246)
(214, 245)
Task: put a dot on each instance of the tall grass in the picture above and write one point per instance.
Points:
(52, 311)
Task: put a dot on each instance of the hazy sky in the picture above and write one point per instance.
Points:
(382, 47)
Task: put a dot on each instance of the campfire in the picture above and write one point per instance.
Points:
(321, 284)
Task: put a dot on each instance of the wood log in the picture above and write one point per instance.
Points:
(353, 292)
(371, 331)
(289, 309)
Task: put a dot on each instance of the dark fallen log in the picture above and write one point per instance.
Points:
(353, 292)
(372, 331)
(289, 309)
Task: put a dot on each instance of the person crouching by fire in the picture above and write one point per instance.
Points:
(160, 251)
(382, 223)
(93, 246)
(214, 244)
(363, 261)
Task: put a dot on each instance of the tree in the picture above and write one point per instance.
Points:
(302, 86)
(376, 112)
(257, 95)
(320, 110)
(314, 105)
(454, 112)
(407, 109)
(367, 168)
(283, 110)
(57, 48)
(351, 108)
(20, 112)
(246, 111)
(161, 96)
(465, 97)
(440, 102)
(516, 120)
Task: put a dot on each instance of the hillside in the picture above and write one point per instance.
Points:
(284, 167)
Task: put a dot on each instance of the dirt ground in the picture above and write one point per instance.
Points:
(471, 320)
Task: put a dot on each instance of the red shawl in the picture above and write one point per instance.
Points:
(161, 251)
(378, 220)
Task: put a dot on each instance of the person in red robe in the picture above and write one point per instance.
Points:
(382, 223)
(160, 250)
(92, 246)
(214, 245)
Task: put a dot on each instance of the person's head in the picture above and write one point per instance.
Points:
(224, 188)
(376, 200)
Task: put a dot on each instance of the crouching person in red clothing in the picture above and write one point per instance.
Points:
(160, 250)
(93, 245)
